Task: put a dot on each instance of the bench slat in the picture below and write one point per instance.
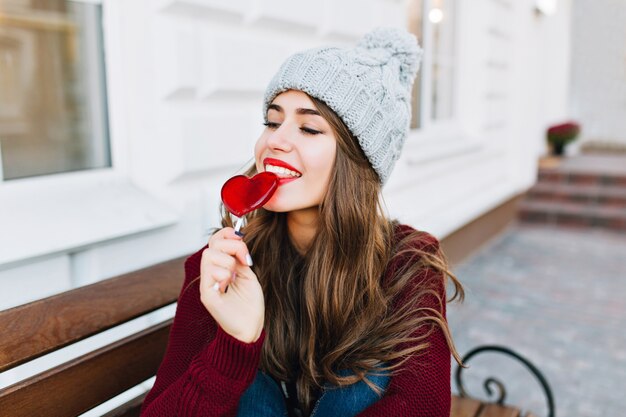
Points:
(72, 388)
(464, 407)
(51, 323)
(129, 409)
(495, 410)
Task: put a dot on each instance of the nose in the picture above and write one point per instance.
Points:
(279, 139)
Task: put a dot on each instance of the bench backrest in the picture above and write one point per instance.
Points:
(35, 329)
(32, 330)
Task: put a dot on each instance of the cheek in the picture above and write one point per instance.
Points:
(259, 146)
(322, 160)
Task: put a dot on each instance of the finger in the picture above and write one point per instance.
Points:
(241, 271)
(236, 248)
(219, 274)
(216, 266)
(216, 280)
(234, 234)
(245, 272)
(218, 258)
(217, 269)
(225, 233)
(223, 286)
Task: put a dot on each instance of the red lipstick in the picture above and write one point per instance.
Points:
(279, 163)
(283, 176)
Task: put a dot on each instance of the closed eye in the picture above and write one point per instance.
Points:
(306, 130)
(271, 125)
(309, 131)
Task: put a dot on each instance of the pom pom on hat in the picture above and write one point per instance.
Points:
(385, 43)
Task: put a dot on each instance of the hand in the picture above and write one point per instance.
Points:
(240, 311)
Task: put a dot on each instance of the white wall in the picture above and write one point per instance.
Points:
(186, 79)
(598, 80)
(512, 82)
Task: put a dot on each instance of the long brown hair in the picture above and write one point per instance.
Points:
(329, 309)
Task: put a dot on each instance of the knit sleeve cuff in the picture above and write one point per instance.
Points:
(233, 358)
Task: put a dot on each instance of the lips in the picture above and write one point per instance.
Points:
(279, 163)
(283, 170)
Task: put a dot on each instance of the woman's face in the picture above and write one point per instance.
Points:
(300, 147)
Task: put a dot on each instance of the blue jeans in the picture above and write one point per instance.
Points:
(264, 398)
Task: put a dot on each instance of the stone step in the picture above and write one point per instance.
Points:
(600, 164)
(594, 194)
(564, 213)
(585, 191)
(564, 176)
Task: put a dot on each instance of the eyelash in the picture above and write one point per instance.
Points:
(306, 130)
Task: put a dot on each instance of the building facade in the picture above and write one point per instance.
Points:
(161, 103)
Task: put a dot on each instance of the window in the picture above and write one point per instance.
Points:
(432, 21)
(53, 104)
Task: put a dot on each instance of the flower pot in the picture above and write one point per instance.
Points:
(560, 135)
(558, 148)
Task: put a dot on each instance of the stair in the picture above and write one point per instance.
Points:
(581, 191)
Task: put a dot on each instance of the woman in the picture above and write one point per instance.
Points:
(343, 311)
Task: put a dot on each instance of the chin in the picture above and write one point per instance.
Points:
(287, 207)
(278, 206)
(285, 201)
(272, 208)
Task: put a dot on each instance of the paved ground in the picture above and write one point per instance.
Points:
(558, 297)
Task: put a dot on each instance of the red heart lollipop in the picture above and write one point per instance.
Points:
(242, 195)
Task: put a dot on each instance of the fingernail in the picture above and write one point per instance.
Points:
(216, 287)
(249, 259)
(240, 234)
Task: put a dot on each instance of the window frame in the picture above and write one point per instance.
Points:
(425, 78)
(446, 136)
(27, 198)
(107, 123)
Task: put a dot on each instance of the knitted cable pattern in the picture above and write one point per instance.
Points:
(368, 87)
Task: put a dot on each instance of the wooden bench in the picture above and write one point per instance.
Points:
(32, 330)
(464, 406)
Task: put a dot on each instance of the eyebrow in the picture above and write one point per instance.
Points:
(298, 110)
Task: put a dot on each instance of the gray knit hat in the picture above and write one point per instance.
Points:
(368, 87)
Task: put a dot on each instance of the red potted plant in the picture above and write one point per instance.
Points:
(560, 135)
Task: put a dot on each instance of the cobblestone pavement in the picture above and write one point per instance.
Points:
(557, 297)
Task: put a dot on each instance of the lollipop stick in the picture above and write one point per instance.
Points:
(216, 286)
(238, 224)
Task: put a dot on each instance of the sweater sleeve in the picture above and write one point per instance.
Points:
(422, 388)
(205, 370)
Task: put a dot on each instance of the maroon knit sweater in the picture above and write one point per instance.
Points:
(205, 370)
